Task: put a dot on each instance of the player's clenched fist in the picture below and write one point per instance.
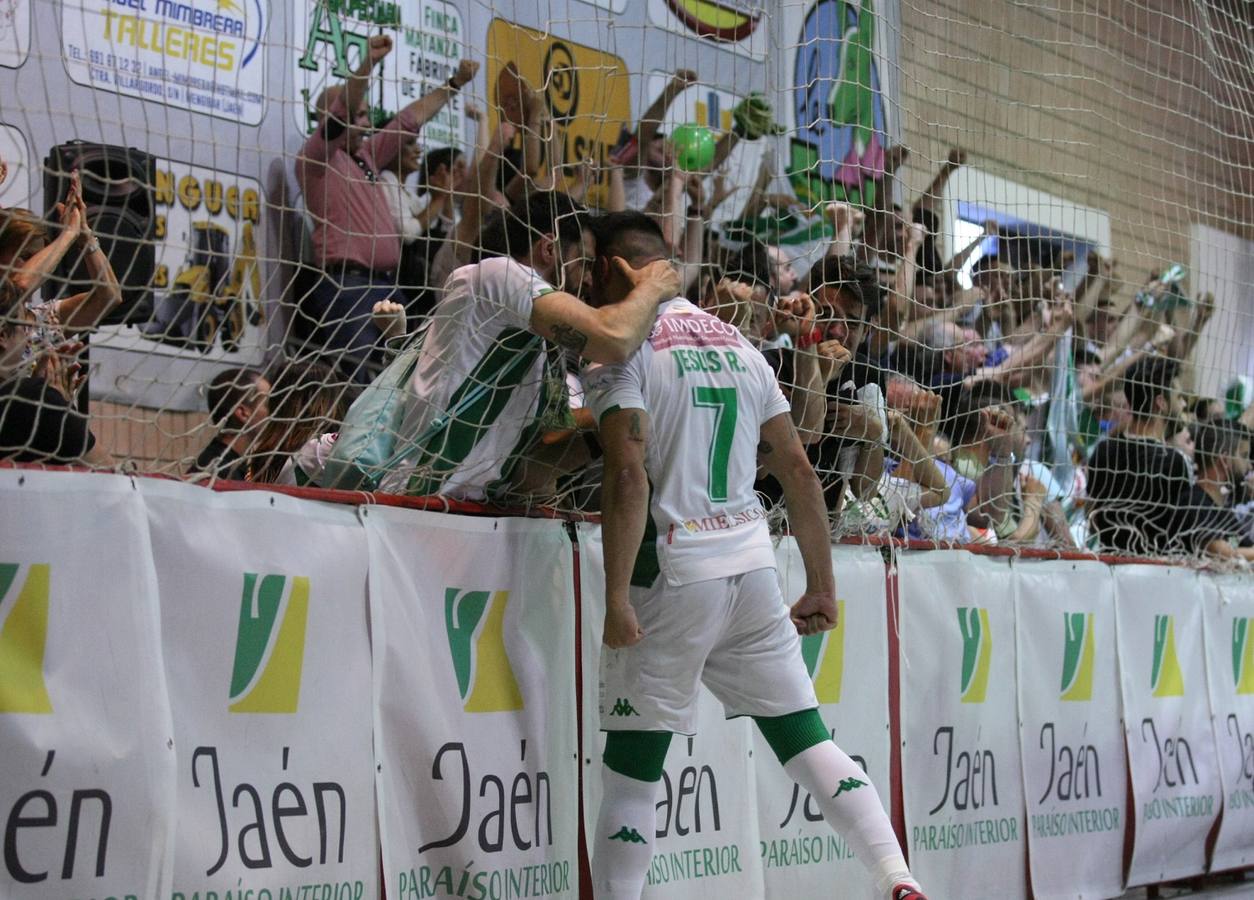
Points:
(815, 612)
(621, 627)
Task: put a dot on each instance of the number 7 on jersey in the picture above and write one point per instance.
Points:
(724, 402)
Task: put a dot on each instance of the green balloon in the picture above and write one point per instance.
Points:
(694, 147)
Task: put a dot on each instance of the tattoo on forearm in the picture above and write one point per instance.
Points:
(636, 431)
(570, 338)
(764, 447)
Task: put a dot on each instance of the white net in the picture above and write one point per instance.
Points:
(999, 255)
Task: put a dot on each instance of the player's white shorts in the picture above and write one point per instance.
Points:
(732, 633)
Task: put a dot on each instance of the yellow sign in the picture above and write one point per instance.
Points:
(23, 636)
(587, 91)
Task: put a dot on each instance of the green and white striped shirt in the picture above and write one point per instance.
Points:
(483, 387)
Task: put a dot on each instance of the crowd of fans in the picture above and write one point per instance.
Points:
(1014, 411)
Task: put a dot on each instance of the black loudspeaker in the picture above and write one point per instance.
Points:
(117, 184)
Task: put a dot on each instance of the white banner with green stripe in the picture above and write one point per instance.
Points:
(1230, 665)
(472, 626)
(263, 622)
(801, 855)
(1176, 791)
(87, 756)
(961, 783)
(1074, 762)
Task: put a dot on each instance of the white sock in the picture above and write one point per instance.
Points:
(623, 844)
(852, 807)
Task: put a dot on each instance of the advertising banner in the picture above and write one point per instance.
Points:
(707, 818)
(613, 6)
(472, 624)
(839, 122)
(587, 90)
(1074, 761)
(428, 39)
(1176, 789)
(961, 780)
(87, 751)
(208, 56)
(801, 855)
(707, 821)
(15, 187)
(207, 285)
(263, 619)
(1230, 666)
(14, 32)
(738, 25)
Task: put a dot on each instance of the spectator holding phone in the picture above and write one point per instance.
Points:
(38, 419)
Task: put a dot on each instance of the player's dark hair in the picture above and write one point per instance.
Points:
(535, 215)
(629, 234)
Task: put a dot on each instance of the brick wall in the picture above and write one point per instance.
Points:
(1142, 109)
(156, 441)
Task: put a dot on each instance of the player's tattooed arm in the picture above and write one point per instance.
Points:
(611, 333)
(766, 448)
(569, 337)
(635, 431)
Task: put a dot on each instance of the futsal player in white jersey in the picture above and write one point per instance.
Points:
(491, 372)
(692, 594)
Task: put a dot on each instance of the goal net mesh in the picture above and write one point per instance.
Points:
(999, 255)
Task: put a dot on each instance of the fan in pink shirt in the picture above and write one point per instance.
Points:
(356, 239)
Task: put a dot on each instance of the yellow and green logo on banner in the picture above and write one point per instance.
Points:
(1077, 657)
(977, 652)
(23, 638)
(475, 624)
(1242, 656)
(270, 644)
(824, 655)
(1166, 679)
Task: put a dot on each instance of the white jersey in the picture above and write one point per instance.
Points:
(707, 392)
(482, 387)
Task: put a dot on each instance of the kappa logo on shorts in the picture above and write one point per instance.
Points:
(475, 623)
(1242, 656)
(628, 835)
(1077, 656)
(977, 652)
(846, 785)
(270, 644)
(1166, 679)
(23, 638)
(824, 656)
(623, 707)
